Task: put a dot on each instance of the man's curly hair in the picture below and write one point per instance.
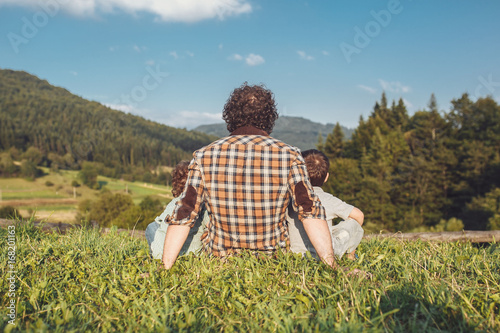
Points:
(250, 105)
(317, 165)
(179, 177)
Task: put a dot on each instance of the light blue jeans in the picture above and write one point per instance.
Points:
(150, 232)
(156, 231)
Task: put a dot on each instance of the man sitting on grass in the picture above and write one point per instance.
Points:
(246, 182)
(346, 235)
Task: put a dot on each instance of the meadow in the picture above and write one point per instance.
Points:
(85, 281)
(53, 198)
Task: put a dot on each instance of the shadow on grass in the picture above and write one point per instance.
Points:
(101, 184)
(424, 312)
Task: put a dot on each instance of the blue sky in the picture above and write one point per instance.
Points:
(176, 61)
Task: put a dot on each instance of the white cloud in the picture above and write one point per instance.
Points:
(251, 59)
(150, 62)
(254, 60)
(325, 53)
(192, 119)
(367, 88)
(235, 57)
(394, 86)
(174, 55)
(190, 54)
(73, 73)
(221, 46)
(120, 107)
(165, 10)
(132, 109)
(138, 48)
(304, 55)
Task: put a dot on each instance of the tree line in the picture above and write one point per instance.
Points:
(431, 171)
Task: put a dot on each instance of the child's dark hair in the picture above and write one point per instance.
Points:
(317, 165)
(179, 177)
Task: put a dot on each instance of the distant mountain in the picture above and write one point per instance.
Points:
(296, 131)
(34, 113)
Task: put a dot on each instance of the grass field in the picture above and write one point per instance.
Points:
(59, 202)
(86, 282)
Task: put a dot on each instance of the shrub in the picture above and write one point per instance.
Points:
(7, 166)
(106, 208)
(29, 170)
(452, 224)
(140, 216)
(8, 212)
(88, 174)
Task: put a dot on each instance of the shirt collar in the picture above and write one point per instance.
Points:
(249, 130)
(317, 189)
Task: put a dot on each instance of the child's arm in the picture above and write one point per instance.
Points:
(357, 215)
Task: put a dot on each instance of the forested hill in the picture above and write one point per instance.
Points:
(33, 113)
(297, 131)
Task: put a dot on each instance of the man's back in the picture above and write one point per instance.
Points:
(246, 181)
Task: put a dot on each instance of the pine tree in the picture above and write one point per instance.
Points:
(334, 145)
(399, 115)
(432, 105)
(319, 145)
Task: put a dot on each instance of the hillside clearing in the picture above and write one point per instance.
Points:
(59, 201)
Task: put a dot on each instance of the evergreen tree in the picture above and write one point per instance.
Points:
(344, 180)
(334, 145)
(487, 208)
(381, 110)
(319, 145)
(399, 115)
(432, 105)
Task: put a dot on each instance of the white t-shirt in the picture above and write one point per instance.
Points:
(334, 207)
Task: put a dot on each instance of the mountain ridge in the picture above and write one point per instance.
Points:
(296, 131)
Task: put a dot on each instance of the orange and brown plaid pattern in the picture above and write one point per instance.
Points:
(246, 183)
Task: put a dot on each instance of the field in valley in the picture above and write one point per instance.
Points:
(58, 202)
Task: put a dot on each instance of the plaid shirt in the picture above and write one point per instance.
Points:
(246, 181)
